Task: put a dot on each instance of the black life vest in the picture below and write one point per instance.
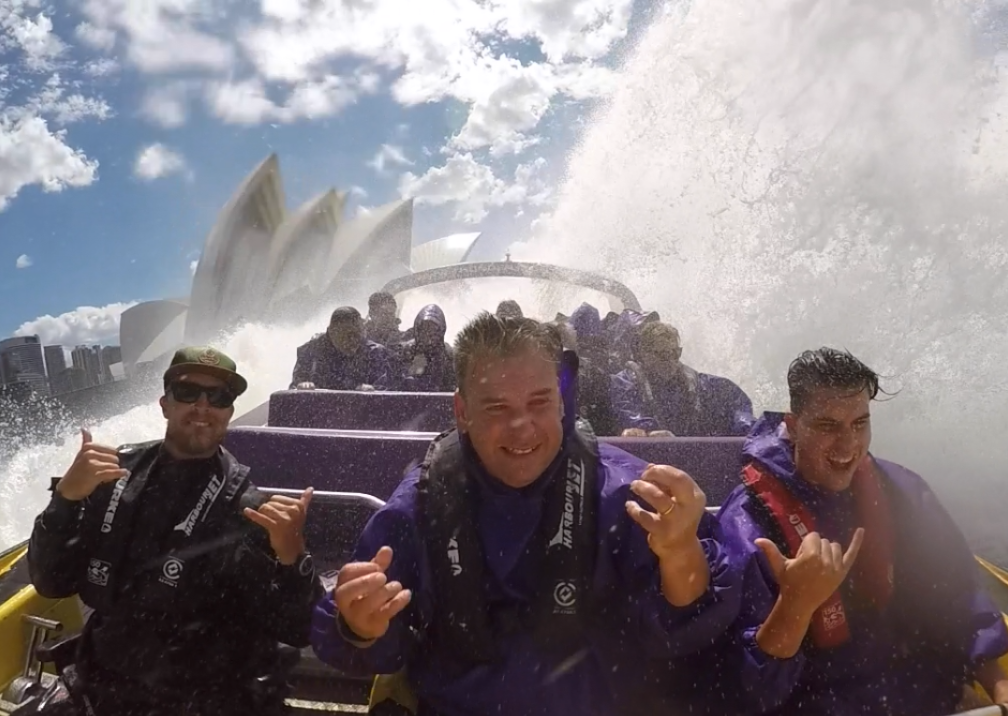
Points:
(567, 542)
(214, 521)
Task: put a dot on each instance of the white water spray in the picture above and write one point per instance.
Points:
(265, 356)
(778, 175)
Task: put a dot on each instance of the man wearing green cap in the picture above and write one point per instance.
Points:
(194, 576)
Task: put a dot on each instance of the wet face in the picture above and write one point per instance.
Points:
(512, 414)
(347, 336)
(429, 334)
(831, 436)
(383, 315)
(659, 353)
(198, 409)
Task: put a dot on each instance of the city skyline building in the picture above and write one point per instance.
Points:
(22, 361)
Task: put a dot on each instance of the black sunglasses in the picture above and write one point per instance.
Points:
(185, 392)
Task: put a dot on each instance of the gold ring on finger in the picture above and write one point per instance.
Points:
(665, 512)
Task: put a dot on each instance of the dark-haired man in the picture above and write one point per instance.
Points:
(657, 394)
(861, 593)
(515, 571)
(382, 324)
(193, 575)
(343, 358)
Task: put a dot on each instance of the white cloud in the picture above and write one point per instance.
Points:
(358, 192)
(85, 325)
(53, 101)
(30, 153)
(100, 38)
(156, 160)
(166, 104)
(160, 36)
(33, 35)
(193, 265)
(283, 61)
(388, 155)
(101, 67)
(23, 261)
(474, 187)
(248, 101)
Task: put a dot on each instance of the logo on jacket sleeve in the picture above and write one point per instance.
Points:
(171, 570)
(98, 572)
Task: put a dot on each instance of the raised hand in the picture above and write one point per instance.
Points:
(817, 570)
(679, 505)
(283, 518)
(94, 464)
(633, 433)
(366, 599)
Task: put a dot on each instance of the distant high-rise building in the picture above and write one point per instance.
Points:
(56, 367)
(21, 361)
(88, 359)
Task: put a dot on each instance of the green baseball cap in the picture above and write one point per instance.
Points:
(208, 361)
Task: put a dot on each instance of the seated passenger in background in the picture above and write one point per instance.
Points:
(594, 400)
(509, 309)
(382, 324)
(624, 332)
(661, 395)
(861, 596)
(194, 575)
(343, 359)
(515, 572)
(427, 359)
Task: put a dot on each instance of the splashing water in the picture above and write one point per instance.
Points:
(265, 356)
(778, 175)
(771, 176)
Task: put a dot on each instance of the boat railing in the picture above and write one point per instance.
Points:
(350, 499)
(354, 499)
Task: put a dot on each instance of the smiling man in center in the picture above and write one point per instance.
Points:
(515, 571)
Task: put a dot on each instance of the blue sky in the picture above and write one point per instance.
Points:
(125, 126)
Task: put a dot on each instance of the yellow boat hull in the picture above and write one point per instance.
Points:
(19, 598)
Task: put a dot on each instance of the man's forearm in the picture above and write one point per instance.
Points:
(685, 574)
(782, 633)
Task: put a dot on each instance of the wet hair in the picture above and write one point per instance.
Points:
(656, 329)
(828, 368)
(509, 308)
(489, 335)
(344, 314)
(379, 299)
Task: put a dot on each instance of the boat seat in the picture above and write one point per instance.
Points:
(375, 462)
(358, 410)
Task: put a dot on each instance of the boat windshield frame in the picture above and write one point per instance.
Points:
(622, 297)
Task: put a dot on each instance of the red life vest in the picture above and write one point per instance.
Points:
(872, 572)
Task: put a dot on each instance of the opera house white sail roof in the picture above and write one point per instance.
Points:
(264, 261)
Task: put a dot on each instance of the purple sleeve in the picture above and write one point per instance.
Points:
(668, 631)
(628, 404)
(392, 526)
(766, 681)
(303, 366)
(990, 637)
(940, 542)
(383, 373)
(664, 630)
(739, 407)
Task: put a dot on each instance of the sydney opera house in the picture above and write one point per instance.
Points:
(265, 261)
